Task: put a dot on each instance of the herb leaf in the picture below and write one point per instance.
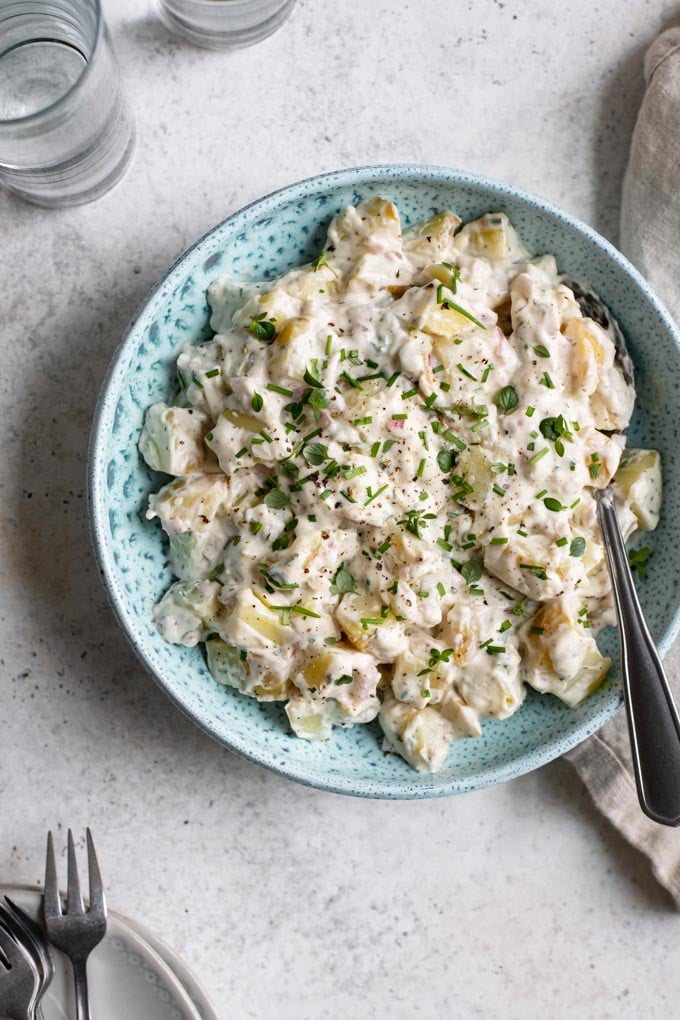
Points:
(471, 571)
(343, 583)
(446, 459)
(507, 399)
(262, 328)
(276, 500)
(315, 453)
(577, 547)
(638, 560)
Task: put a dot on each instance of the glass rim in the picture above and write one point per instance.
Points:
(211, 4)
(98, 34)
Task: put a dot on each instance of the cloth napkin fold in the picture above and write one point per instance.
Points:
(650, 232)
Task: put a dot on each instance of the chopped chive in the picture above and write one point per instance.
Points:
(212, 373)
(409, 393)
(444, 545)
(537, 456)
(392, 379)
(530, 411)
(498, 541)
(196, 381)
(375, 448)
(562, 541)
(506, 625)
(329, 344)
(541, 494)
(354, 383)
(447, 303)
(441, 589)
(497, 489)
(537, 630)
(255, 526)
(399, 417)
(375, 495)
(354, 472)
(463, 369)
(363, 421)
(535, 569)
(421, 468)
(545, 380)
(523, 534)
(279, 389)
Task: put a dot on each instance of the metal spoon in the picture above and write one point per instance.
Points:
(653, 722)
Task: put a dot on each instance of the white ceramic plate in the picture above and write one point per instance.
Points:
(127, 974)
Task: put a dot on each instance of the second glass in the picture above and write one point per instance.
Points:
(66, 134)
(224, 24)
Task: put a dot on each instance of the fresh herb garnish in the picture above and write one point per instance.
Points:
(320, 261)
(315, 453)
(638, 560)
(507, 399)
(276, 500)
(577, 547)
(471, 571)
(343, 583)
(262, 328)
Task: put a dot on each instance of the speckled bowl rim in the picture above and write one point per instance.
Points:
(103, 423)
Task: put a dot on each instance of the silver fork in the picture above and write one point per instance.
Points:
(18, 978)
(28, 935)
(77, 931)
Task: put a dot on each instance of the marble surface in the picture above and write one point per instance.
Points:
(517, 902)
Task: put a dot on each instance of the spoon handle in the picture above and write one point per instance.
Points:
(653, 722)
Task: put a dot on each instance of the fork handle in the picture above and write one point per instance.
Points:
(653, 721)
(82, 998)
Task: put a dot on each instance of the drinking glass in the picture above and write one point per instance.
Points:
(224, 24)
(66, 134)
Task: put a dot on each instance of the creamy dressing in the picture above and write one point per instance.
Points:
(385, 463)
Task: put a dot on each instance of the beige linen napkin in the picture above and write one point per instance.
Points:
(650, 232)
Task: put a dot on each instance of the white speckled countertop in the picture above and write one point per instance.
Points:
(518, 902)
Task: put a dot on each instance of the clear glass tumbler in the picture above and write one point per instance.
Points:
(66, 134)
(224, 24)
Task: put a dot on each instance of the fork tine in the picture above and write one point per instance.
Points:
(97, 899)
(51, 894)
(74, 901)
(26, 930)
(9, 947)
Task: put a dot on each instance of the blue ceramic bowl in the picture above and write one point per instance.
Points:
(261, 241)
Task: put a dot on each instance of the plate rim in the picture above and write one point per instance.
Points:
(170, 978)
(363, 787)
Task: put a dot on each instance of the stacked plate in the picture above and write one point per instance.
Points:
(131, 974)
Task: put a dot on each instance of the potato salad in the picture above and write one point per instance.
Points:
(384, 469)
